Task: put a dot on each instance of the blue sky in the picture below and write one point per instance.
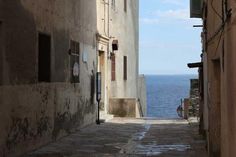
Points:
(168, 40)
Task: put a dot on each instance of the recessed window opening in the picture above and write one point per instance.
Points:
(44, 57)
(125, 5)
(113, 67)
(125, 67)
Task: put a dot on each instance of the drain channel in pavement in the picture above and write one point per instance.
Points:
(134, 146)
(159, 149)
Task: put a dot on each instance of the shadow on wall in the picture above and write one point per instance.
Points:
(20, 42)
(31, 114)
(38, 114)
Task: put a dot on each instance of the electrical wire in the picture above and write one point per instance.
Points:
(218, 45)
(217, 32)
(215, 10)
(221, 27)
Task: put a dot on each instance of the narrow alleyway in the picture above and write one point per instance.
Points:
(130, 137)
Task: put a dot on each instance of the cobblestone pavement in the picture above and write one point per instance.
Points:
(130, 137)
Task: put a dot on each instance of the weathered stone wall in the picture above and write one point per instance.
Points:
(226, 80)
(125, 28)
(194, 99)
(142, 95)
(114, 23)
(123, 107)
(32, 113)
(186, 108)
(22, 20)
(219, 67)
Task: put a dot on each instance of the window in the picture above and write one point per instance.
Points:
(1, 54)
(125, 67)
(125, 5)
(113, 4)
(44, 58)
(74, 48)
(113, 68)
(75, 61)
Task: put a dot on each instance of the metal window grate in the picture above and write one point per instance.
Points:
(75, 61)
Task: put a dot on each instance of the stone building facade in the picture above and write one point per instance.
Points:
(218, 73)
(47, 67)
(118, 38)
(50, 51)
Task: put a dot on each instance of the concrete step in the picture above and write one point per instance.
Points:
(105, 117)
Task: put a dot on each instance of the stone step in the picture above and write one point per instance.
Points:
(105, 117)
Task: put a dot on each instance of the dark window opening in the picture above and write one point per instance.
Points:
(1, 54)
(113, 68)
(44, 58)
(125, 5)
(125, 67)
(75, 61)
(113, 4)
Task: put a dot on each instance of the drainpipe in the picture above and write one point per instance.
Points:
(108, 22)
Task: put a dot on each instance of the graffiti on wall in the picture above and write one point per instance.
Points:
(66, 121)
(22, 129)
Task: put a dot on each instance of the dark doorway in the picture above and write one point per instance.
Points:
(44, 57)
(1, 54)
(215, 110)
(101, 68)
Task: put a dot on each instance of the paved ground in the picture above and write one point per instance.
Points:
(130, 137)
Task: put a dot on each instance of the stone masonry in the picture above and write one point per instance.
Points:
(194, 98)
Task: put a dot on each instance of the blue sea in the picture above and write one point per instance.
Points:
(164, 94)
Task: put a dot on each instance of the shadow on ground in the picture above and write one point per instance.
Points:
(130, 137)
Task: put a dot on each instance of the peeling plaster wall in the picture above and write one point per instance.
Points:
(32, 113)
(123, 107)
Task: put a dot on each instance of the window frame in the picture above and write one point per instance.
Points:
(40, 78)
(125, 5)
(113, 68)
(125, 68)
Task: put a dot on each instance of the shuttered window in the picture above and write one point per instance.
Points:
(113, 68)
(125, 5)
(113, 4)
(125, 67)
